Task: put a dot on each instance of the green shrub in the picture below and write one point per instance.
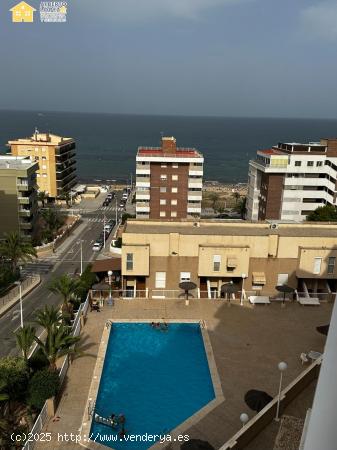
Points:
(14, 373)
(44, 384)
(38, 361)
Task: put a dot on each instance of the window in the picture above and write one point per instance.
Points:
(174, 177)
(160, 280)
(174, 190)
(162, 214)
(173, 213)
(44, 167)
(185, 276)
(216, 263)
(297, 163)
(317, 266)
(44, 158)
(162, 201)
(174, 202)
(310, 163)
(319, 163)
(129, 261)
(331, 264)
(282, 278)
(163, 189)
(44, 175)
(163, 165)
(175, 166)
(163, 177)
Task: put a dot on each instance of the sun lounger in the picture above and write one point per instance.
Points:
(308, 301)
(258, 300)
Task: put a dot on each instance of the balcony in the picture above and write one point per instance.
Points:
(194, 183)
(25, 225)
(25, 212)
(23, 187)
(24, 200)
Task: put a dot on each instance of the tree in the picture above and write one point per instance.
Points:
(214, 197)
(327, 213)
(68, 288)
(3, 394)
(52, 221)
(57, 344)
(42, 197)
(44, 384)
(236, 196)
(14, 373)
(24, 339)
(16, 249)
(241, 207)
(48, 318)
(87, 279)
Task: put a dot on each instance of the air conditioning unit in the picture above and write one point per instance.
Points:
(273, 226)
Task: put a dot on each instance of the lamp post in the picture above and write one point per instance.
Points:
(80, 242)
(18, 283)
(110, 275)
(282, 366)
(244, 419)
(243, 276)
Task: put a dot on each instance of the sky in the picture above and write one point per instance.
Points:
(245, 58)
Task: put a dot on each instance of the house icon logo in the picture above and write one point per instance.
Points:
(22, 12)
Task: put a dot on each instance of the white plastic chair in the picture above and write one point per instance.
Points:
(304, 358)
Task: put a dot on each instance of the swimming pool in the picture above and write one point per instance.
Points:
(156, 379)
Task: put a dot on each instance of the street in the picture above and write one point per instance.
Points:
(66, 259)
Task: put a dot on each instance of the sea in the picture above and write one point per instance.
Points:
(107, 143)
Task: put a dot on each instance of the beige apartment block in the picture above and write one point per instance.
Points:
(157, 256)
(55, 155)
(18, 202)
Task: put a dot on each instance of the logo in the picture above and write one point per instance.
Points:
(53, 11)
(22, 12)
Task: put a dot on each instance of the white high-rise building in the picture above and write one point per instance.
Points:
(290, 180)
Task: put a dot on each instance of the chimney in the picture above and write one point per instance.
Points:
(168, 144)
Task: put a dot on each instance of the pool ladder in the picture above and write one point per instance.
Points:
(202, 324)
(91, 408)
(108, 324)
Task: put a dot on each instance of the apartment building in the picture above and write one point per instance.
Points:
(18, 202)
(55, 155)
(157, 256)
(288, 181)
(168, 181)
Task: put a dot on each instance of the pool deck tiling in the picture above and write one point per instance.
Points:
(246, 344)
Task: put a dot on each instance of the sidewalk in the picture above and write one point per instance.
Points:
(13, 296)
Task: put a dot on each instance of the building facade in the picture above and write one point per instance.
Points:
(18, 196)
(157, 256)
(168, 181)
(55, 156)
(290, 180)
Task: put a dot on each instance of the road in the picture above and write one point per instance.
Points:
(67, 260)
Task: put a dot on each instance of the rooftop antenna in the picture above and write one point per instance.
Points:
(36, 132)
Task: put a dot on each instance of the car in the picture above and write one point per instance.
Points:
(106, 203)
(111, 195)
(122, 204)
(97, 246)
(125, 196)
(108, 228)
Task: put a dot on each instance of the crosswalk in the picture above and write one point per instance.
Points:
(41, 267)
(110, 208)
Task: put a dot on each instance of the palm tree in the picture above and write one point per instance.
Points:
(52, 220)
(48, 318)
(68, 288)
(57, 344)
(236, 196)
(42, 196)
(16, 248)
(241, 207)
(24, 339)
(214, 197)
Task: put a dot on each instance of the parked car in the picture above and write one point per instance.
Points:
(98, 245)
(108, 228)
(125, 196)
(111, 195)
(106, 203)
(122, 204)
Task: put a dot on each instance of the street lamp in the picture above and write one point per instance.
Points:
(282, 366)
(110, 275)
(244, 419)
(80, 242)
(18, 283)
(243, 276)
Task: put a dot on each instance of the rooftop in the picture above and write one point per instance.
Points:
(45, 138)
(239, 228)
(15, 162)
(271, 151)
(169, 148)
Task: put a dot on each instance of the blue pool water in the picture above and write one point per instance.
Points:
(157, 379)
